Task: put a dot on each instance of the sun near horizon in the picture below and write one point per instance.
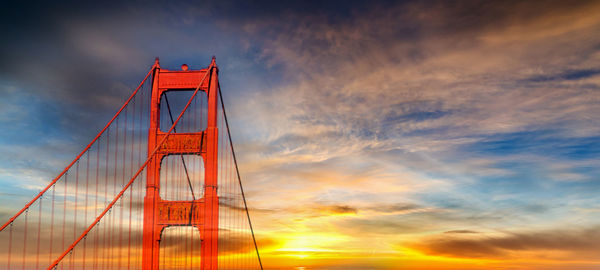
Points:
(368, 135)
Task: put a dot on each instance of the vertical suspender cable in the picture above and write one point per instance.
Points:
(52, 223)
(238, 177)
(103, 239)
(9, 246)
(85, 213)
(39, 233)
(25, 239)
(95, 262)
(78, 156)
(75, 210)
(131, 189)
(112, 216)
(64, 221)
(139, 171)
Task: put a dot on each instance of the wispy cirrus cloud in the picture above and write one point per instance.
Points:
(432, 105)
(359, 127)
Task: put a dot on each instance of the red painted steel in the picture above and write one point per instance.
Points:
(182, 143)
(151, 158)
(202, 213)
(108, 237)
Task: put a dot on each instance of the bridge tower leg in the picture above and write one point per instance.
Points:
(202, 213)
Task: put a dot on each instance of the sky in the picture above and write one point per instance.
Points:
(370, 135)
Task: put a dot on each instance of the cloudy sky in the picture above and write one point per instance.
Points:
(371, 135)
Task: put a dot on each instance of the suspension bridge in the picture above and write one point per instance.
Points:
(157, 188)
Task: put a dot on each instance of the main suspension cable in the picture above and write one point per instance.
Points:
(12, 219)
(238, 176)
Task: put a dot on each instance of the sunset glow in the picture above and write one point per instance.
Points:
(369, 135)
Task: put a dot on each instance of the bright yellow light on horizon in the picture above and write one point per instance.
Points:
(305, 245)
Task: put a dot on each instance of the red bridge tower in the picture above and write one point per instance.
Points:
(201, 213)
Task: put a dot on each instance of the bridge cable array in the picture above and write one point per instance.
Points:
(237, 170)
(95, 202)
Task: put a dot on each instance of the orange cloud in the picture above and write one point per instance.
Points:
(563, 244)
